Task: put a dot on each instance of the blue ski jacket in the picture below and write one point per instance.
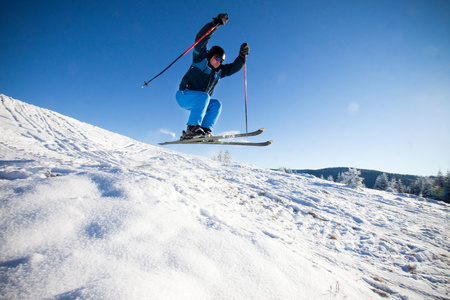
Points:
(202, 76)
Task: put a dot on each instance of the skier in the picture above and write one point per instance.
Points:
(197, 85)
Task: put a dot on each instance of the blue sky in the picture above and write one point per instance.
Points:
(362, 84)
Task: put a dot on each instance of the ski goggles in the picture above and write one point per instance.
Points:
(219, 59)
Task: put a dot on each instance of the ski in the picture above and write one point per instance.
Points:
(217, 142)
(215, 139)
(236, 143)
(226, 136)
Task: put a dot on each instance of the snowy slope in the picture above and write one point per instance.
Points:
(89, 214)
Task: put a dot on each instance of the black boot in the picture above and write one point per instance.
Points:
(193, 131)
(207, 131)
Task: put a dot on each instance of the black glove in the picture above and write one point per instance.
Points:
(245, 50)
(221, 19)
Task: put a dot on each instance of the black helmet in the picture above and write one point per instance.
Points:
(218, 51)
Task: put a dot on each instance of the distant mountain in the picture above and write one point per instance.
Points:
(370, 176)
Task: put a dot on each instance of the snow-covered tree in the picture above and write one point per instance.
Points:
(223, 157)
(330, 178)
(447, 187)
(400, 187)
(220, 156)
(392, 185)
(382, 182)
(339, 178)
(441, 187)
(285, 170)
(422, 187)
(227, 157)
(352, 178)
(440, 179)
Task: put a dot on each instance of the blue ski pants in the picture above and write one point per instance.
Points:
(204, 110)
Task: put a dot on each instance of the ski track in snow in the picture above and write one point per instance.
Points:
(89, 214)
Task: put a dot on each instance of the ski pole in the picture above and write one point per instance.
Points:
(147, 82)
(245, 90)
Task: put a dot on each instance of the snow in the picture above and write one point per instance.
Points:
(90, 214)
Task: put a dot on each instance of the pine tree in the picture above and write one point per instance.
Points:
(400, 187)
(223, 157)
(382, 182)
(422, 187)
(351, 178)
(392, 185)
(439, 189)
(428, 188)
(285, 170)
(339, 178)
(227, 157)
(447, 187)
(440, 179)
(219, 156)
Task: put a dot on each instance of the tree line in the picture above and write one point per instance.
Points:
(430, 187)
(424, 186)
(434, 187)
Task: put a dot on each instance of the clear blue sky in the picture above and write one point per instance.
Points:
(359, 83)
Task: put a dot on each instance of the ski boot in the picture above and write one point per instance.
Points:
(193, 131)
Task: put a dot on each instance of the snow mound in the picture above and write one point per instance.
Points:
(89, 214)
